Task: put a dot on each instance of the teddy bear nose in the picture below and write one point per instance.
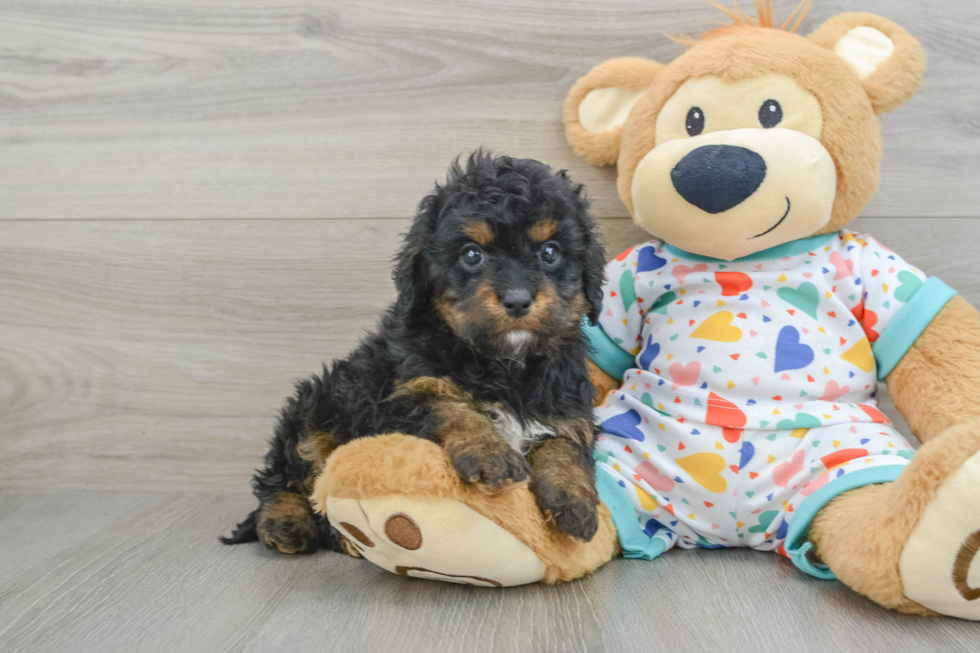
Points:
(715, 178)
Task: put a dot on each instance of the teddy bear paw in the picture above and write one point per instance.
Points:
(940, 563)
(439, 538)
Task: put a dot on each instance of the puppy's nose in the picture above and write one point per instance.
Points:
(517, 302)
(715, 178)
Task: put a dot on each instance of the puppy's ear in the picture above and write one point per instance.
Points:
(593, 276)
(594, 258)
(598, 104)
(887, 59)
(411, 273)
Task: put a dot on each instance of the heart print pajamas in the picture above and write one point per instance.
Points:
(748, 394)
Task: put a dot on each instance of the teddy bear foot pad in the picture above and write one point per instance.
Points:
(940, 564)
(439, 539)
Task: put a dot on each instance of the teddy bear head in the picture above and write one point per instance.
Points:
(755, 136)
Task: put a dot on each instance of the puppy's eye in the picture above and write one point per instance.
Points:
(770, 114)
(695, 121)
(550, 253)
(472, 257)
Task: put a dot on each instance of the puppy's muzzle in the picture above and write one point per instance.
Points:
(716, 178)
(517, 302)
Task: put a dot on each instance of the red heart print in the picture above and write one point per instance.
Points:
(733, 283)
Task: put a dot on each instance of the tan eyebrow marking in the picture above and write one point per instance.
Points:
(543, 230)
(479, 231)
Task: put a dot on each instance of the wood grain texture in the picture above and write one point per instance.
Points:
(351, 108)
(153, 355)
(162, 283)
(91, 572)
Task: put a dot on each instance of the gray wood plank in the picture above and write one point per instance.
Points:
(153, 355)
(351, 108)
(142, 572)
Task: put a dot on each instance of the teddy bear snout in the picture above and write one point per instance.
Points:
(716, 178)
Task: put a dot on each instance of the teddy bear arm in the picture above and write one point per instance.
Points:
(937, 383)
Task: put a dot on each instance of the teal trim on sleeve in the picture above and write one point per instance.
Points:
(906, 327)
(634, 542)
(792, 248)
(605, 353)
(796, 543)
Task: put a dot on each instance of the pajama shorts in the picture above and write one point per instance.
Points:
(697, 485)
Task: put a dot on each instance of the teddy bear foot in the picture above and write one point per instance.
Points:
(940, 564)
(912, 545)
(401, 505)
(435, 539)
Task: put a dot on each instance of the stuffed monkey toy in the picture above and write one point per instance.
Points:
(739, 350)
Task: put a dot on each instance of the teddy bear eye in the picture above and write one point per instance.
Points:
(770, 114)
(695, 121)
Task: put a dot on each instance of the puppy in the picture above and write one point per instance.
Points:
(482, 353)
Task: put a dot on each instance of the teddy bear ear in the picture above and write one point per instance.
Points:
(887, 59)
(598, 104)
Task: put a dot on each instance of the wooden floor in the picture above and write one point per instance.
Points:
(141, 572)
(198, 201)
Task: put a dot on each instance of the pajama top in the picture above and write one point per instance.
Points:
(748, 395)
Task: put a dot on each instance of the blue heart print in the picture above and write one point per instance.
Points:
(624, 426)
(652, 527)
(747, 451)
(647, 260)
(783, 530)
(652, 351)
(791, 354)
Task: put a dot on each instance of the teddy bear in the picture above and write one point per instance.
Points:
(738, 352)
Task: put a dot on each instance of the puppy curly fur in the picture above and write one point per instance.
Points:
(448, 355)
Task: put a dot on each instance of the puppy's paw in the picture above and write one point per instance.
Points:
(490, 462)
(570, 509)
(285, 523)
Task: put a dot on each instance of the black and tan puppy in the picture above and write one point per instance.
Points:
(481, 353)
